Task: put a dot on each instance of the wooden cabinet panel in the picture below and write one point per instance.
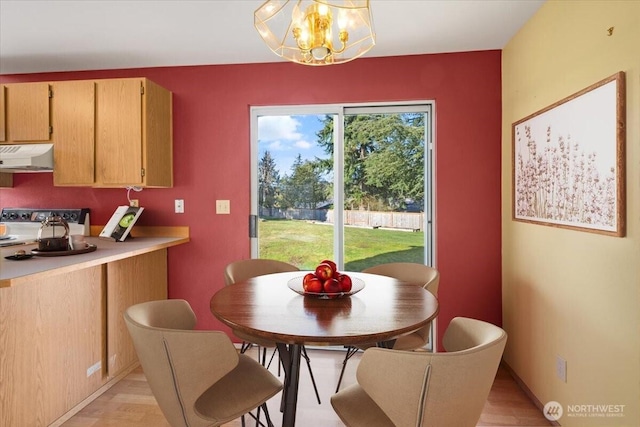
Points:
(73, 111)
(158, 135)
(53, 344)
(3, 117)
(106, 133)
(6, 179)
(118, 132)
(131, 281)
(134, 133)
(28, 112)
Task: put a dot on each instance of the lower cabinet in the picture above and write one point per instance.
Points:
(51, 346)
(130, 281)
(62, 337)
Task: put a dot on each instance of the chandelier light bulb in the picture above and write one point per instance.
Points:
(343, 19)
(323, 10)
(303, 31)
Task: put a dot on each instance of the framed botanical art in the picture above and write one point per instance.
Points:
(568, 161)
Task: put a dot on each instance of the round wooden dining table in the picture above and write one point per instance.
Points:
(266, 306)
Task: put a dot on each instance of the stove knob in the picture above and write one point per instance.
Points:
(65, 215)
(4, 215)
(25, 216)
(13, 215)
(74, 216)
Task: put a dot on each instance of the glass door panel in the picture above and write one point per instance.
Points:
(295, 189)
(385, 217)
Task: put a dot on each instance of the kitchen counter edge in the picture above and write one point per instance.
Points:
(13, 273)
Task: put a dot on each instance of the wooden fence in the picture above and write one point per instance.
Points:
(374, 219)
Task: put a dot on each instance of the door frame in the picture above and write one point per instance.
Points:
(340, 110)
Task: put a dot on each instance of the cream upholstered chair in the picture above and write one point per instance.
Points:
(197, 377)
(239, 271)
(409, 389)
(409, 273)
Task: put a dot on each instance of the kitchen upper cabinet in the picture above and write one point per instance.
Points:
(3, 119)
(134, 134)
(28, 115)
(73, 112)
(6, 179)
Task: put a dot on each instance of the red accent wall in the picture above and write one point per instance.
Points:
(211, 155)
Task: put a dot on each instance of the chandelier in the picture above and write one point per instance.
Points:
(316, 32)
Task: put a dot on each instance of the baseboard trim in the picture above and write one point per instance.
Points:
(526, 390)
(73, 411)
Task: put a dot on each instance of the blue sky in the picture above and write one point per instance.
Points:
(287, 136)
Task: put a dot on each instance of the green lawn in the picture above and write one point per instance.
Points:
(304, 244)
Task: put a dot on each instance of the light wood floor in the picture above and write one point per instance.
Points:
(130, 402)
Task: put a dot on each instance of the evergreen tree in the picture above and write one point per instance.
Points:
(383, 159)
(268, 181)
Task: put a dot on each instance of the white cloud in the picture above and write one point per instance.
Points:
(274, 128)
(276, 146)
(303, 144)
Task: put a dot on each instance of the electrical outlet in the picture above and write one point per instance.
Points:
(179, 206)
(223, 207)
(135, 203)
(561, 369)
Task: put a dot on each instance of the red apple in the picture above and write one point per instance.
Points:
(345, 282)
(314, 286)
(331, 286)
(333, 265)
(305, 280)
(324, 271)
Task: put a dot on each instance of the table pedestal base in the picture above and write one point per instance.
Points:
(290, 357)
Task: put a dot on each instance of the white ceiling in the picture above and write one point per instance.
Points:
(74, 35)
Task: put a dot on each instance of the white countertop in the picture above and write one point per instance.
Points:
(107, 250)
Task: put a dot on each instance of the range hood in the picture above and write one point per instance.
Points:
(26, 158)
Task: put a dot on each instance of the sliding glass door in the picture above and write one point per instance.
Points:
(348, 183)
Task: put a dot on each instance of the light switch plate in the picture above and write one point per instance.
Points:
(561, 369)
(179, 206)
(223, 207)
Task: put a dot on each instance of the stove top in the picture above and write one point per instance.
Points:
(23, 224)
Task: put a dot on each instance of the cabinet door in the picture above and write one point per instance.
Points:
(73, 110)
(28, 116)
(3, 127)
(118, 132)
(158, 135)
(131, 281)
(52, 341)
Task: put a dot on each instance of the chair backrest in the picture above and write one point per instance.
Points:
(446, 389)
(409, 272)
(413, 273)
(239, 271)
(461, 378)
(162, 334)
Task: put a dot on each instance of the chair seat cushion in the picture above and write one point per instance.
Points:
(355, 408)
(238, 392)
(407, 342)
